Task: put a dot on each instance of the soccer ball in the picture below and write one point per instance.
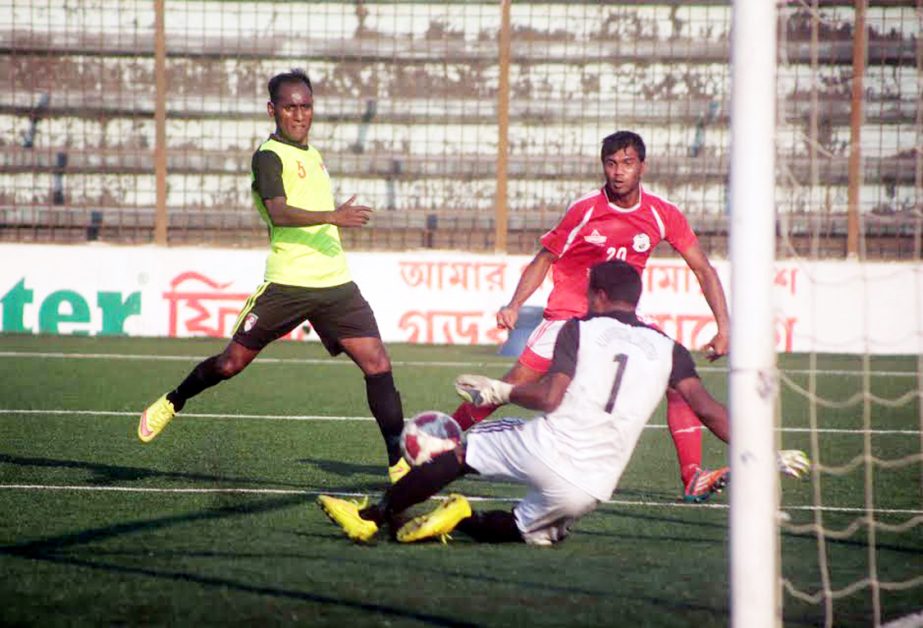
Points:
(427, 435)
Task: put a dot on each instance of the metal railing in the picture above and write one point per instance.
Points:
(135, 121)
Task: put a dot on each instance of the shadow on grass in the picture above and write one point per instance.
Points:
(244, 587)
(107, 473)
(60, 549)
(383, 562)
(66, 549)
(380, 563)
(622, 537)
(645, 494)
(49, 550)
(858, 544)
(346, 469)
(614, 511)
(50, 544)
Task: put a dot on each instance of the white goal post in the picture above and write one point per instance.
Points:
(753, 379)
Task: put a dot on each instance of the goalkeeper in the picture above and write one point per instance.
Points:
(607, 376)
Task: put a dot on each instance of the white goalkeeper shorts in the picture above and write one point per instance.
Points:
(498, 449)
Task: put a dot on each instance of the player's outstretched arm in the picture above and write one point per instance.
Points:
(482, 391)
(714, 295)
(346, 215)
(350, 215)
(791, 462)
(544, 395)
(532, 277)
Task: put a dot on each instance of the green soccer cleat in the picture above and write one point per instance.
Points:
(155, 418)
(398, 470)
(439, 522)
(704, 483)
(345, 513)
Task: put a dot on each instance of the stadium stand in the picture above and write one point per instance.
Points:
(407, 118)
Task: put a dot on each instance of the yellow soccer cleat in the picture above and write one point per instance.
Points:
(793, 463)
(398, 470)
(345, 513)
(154, 419)
(439, 522)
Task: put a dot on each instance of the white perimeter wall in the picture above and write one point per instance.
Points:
(433, 296)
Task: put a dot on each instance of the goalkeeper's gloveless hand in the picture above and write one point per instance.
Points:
(793, 462)
(483, 391)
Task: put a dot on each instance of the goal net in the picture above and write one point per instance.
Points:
(849, 200)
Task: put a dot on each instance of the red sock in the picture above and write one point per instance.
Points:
(467, 414)
(685, 428)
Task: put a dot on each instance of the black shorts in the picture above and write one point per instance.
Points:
(276, 309)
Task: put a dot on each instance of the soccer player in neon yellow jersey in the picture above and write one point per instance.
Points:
(306, 277)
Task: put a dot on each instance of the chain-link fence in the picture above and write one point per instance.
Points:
(413, 100)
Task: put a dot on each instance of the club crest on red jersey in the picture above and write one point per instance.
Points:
(641, 242)
(595, 238)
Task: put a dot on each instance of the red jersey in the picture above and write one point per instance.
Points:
(593, 230)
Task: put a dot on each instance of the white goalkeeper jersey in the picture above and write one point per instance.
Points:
(620, 370)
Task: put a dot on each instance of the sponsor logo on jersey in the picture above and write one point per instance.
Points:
(641, 242)
(250, 321)
(595, 238)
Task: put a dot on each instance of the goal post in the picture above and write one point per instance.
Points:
(753, 379)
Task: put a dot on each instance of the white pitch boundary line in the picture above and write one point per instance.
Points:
(913, 620)
(194, 358)
(315, 492)
(334, 362)
(317, 417)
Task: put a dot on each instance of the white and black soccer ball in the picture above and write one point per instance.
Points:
(427, 435)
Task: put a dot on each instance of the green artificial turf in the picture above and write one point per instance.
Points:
(215, 522)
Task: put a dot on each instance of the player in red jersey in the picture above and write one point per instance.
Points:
(619, 221)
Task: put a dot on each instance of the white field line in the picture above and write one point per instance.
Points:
(342, 362)
(194, 359)
(315, 492)
(913, 620)
(317, 417)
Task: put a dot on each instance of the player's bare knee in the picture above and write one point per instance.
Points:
(229, 366)
(376, 363)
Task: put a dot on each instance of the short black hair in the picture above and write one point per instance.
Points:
(619, 280)
(296, 75)
(621, 140)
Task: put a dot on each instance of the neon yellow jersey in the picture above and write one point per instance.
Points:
(311, 257)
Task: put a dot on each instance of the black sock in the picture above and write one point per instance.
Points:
(204, 375)
(421, 483)
(493, 526)
(385, 404)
